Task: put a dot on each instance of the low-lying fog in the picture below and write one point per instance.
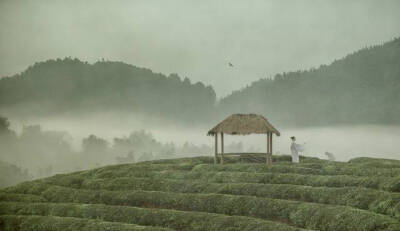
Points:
(67, 144)
(345, 141)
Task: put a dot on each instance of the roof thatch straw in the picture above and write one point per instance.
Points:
(244, 124)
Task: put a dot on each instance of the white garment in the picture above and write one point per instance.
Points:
(295, 153)
(295, 149)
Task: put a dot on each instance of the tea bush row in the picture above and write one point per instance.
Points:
(178, 220)
(52, 223)
(300, 214)
(363, 198)
(328, 168)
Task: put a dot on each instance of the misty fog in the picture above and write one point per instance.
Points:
(194, 38)
(344, 141)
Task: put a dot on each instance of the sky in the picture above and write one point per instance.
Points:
(196, 39)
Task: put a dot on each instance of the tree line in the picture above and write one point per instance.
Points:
(363, 87)
(70, 85)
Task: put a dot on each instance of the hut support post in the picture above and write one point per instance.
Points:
(270, 147)
(216, 148)
(267, 153)
(222, 148)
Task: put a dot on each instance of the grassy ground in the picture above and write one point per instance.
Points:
(193, 194)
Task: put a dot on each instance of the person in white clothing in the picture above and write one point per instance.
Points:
(295, 149)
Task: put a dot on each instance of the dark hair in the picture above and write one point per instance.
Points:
(293, 138)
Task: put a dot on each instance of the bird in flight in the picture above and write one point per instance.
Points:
(230, 64)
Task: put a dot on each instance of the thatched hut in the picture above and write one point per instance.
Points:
(244, 124)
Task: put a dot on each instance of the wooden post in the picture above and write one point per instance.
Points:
(266, 156)
(222, 148)
(216, 148)
(270, 148)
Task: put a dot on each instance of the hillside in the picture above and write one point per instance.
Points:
(363, 87)
(71, 86)
(193, 194)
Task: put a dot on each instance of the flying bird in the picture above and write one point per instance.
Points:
(230, 64)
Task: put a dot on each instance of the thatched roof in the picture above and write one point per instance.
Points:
(244, 124)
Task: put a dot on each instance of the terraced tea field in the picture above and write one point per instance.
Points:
(193, 194)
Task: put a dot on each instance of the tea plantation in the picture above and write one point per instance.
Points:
(194, 194)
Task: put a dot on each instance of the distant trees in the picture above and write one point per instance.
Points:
(11, 174)
(95, 150)
(74, 86)
(141, 145)
(8, 141)
(94, 144)
(363, 87)
(5, 132)
(4, 124)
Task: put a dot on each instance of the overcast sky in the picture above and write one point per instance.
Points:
(196, 39)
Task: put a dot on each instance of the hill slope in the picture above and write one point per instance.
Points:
(363, 87)
(193, 194)
(73, 86)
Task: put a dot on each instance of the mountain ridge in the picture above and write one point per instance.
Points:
(348, 88)
(361, 87)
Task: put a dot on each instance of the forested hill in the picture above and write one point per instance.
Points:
(70, 85)
(363, 87)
